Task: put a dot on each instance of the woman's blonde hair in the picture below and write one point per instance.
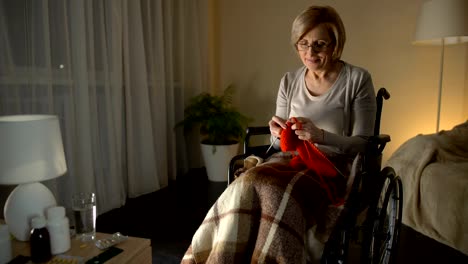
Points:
(312, 17)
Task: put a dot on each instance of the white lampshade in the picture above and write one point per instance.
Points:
(442, 20)
(31, 151)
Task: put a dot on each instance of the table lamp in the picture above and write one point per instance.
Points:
(442, 22)
(31, 151)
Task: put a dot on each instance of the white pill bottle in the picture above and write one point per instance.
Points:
(5, 244)
(59, 229)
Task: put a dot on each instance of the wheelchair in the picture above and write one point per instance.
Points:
(374, 194)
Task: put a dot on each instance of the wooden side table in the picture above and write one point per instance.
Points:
(135, 250)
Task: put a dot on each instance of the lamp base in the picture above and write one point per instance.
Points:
(24, 202)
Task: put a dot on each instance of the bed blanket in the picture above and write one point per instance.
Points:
(263, 216)
(434, 172)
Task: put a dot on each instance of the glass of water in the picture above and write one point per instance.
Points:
(84, 212)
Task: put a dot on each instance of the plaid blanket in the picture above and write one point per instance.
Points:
(263, 217)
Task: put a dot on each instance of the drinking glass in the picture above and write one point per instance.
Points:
(84, 212)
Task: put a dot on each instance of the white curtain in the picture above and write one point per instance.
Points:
(117, 73)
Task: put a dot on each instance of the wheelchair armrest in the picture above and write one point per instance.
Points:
(260, 130)
(380, 139)
(254, 131)
(378, 142)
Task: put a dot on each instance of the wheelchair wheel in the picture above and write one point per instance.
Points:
(384, 221)
(336, 250)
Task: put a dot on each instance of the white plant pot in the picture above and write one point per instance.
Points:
(217, 158)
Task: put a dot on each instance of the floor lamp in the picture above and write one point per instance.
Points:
(442, 22)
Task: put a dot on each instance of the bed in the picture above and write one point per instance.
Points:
(434, 171)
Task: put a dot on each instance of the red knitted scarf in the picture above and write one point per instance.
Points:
(310, 157)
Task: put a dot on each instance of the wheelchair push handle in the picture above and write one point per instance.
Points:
(381, 95)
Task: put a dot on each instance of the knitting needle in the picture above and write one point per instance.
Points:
(274, 141)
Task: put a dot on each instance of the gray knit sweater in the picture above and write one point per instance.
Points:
(346, 112)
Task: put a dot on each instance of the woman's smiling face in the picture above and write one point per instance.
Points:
(315, 49)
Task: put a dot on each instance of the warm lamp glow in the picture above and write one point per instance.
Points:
(31, 151)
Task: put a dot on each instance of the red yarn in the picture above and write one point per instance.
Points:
(310, 157)
(289, 140)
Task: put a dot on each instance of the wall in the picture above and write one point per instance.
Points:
(5, 190)
(254, 53)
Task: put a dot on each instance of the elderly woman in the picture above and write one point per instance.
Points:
(333, 100)
(272, 212)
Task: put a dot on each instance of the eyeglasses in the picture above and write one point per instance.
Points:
(317, 46)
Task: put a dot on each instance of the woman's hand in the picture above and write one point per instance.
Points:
(277, 124)
(305, 129)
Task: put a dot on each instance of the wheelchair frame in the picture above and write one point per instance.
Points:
(379, 191)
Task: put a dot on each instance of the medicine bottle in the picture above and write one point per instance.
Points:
(59, 229)
(5, 244)
(39, 240)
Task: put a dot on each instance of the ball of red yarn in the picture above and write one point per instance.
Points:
(289, 139)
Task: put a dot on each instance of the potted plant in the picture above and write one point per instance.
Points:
(222, 128)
